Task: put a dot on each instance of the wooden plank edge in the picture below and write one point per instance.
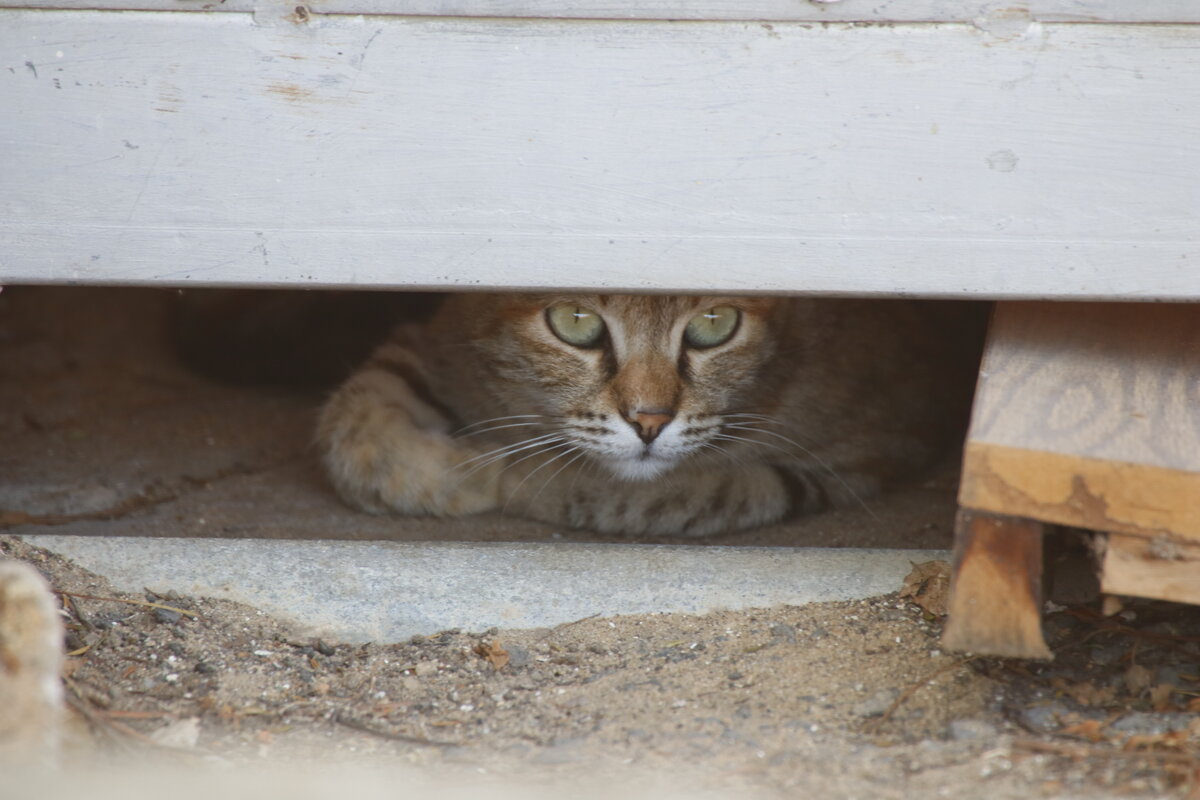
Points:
(1137, 500)
(996, 587)
(1000, 21)
(1160, 569)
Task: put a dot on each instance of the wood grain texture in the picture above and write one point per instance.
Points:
(988, 13)
(1089, 415)
(1117, 382)
(1135, 499)
(1158, 568)
(389, 151)
(996, 587)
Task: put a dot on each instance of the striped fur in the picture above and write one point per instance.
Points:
(811, 403)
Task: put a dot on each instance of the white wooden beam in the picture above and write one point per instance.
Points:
(986, 12)
(1042, 160)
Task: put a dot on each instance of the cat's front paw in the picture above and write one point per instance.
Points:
(386, 451)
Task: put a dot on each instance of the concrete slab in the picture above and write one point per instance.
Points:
(388, 591)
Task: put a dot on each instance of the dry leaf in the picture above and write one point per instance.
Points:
(1138, 679)
(928, 584)
(496, 655)
(1090, 729)
(1160, 697)
(1156, 742)
(1086, 693)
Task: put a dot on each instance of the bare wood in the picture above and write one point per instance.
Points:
(1088, 415)
(1135, 499)
(996, 587)
(1160, 568)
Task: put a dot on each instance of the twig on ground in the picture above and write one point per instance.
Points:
(874, 726)
(362, 727)
(565, 625)
(1084, 751)
(145, 603)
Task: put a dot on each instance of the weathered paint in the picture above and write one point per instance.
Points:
(1038, 159)
(988, 13)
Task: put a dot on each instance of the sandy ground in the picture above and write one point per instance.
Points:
(104, 433)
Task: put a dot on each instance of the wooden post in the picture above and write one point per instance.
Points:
(1086, 415)
(996, 587)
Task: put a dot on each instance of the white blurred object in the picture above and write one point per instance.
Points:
(31, 659)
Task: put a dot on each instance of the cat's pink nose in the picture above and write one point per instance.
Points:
(649, 424)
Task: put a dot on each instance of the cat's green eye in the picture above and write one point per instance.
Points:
(712, 327)
(575, 325)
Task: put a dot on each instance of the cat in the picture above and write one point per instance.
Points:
(636, 415)
(31, 659)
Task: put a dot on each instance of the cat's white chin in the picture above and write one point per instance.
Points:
(640, 468)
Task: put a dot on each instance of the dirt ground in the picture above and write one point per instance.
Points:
(851, 699)
(106, 434)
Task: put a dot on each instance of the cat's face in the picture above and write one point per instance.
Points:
(638, 383)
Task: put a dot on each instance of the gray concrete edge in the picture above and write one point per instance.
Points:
(388, 591)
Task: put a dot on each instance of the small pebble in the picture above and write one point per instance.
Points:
(517, 656)
(971, 730)
(781, 630)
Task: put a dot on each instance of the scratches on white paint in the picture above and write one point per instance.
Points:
(279, 11)
(149, 176)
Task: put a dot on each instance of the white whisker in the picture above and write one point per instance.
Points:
(498, 419)
(533, 472)
(557, 472)
(546, 447)
(483, 431)
(492, 456)
(820, 461)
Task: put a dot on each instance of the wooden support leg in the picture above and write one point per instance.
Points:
(996, 587)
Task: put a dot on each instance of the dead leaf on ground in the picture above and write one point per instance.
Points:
(1157, 742)
(1138, 679)
(1086, 693)
(928, 584)
(496, 655)
(1090, 729)
(1160, 697)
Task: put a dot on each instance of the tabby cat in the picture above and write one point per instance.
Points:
(648, 414)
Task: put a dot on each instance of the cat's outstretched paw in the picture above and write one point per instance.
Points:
(31, 658)
(388, 451)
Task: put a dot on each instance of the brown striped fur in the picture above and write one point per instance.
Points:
(811, 403)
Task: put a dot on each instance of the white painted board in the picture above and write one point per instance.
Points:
(1050, 160)
(987, 13)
